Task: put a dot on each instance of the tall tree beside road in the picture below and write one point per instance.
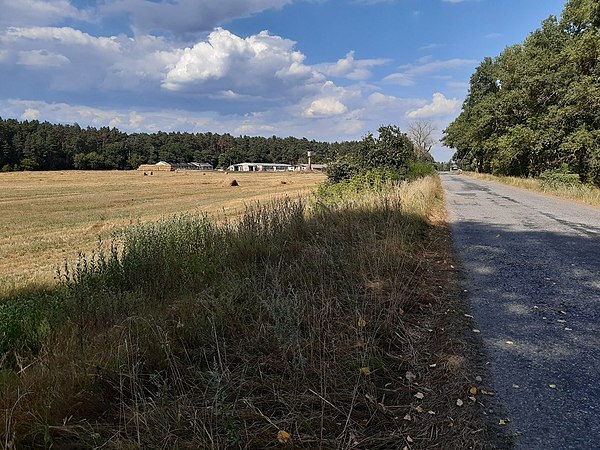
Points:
(536, 106)
(422, 133)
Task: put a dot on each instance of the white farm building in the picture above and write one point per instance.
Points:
(310, 167)
(260, 167)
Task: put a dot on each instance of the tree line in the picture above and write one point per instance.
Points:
(34, 145)
(536, 106)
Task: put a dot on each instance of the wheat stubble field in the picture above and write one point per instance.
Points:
(48, 217)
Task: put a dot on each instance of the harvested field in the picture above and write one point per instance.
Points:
(47, 217)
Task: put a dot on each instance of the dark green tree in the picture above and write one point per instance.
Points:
(536, 107)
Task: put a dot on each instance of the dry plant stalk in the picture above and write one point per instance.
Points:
(298, 325)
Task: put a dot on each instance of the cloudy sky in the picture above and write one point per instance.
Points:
(320, 69)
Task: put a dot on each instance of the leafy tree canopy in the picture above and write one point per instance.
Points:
(536, 106)
(392, 153)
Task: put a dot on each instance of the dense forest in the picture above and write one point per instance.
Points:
(536, 107)
(32, 145)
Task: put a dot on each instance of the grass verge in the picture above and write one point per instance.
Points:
(582, 193)
(331, 324)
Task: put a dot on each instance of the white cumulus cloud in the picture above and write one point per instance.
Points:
(224, 71)
(116, 63)
(261, 65)
(42, 58)
(57, 36)
(401, 79)
(439, 106)
(324, 107)
(351, 68)
(253, 129)
(30, 114)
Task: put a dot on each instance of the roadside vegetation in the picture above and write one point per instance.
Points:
(332, 321)
(536, 107)
(563, 185)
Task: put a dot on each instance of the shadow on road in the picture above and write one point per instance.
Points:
(535, 296)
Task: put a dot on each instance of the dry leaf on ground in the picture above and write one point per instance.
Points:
(283, 436)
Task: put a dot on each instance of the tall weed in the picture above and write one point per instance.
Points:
(188, 334)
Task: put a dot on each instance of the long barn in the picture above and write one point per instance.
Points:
(260, 167)
(163, 166)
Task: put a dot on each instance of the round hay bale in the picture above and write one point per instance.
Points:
(234, 183)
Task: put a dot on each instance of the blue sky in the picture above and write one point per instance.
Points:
(320, 69)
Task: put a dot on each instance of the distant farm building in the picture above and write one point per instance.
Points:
(313, 167)
(158, 167)
(193, 166)
(260, 167)
(169, 167)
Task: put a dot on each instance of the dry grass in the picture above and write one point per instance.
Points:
(332, 322)
(584, 194)
(47, 217)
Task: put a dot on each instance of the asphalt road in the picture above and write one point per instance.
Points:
(532, 268)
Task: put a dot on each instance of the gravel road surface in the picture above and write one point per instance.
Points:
(532, 267)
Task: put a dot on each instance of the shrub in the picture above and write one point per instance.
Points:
(419, 170)
(375, 180)
(392, 150)
(342, 169)
(26, 321)
(29, 164)
(560, 177)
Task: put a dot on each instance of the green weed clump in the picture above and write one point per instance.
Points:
(370, 181)
(25, 322)
(297, 323)
(418, 170)
(559, 178)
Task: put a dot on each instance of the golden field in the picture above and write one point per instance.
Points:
(48, 217)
